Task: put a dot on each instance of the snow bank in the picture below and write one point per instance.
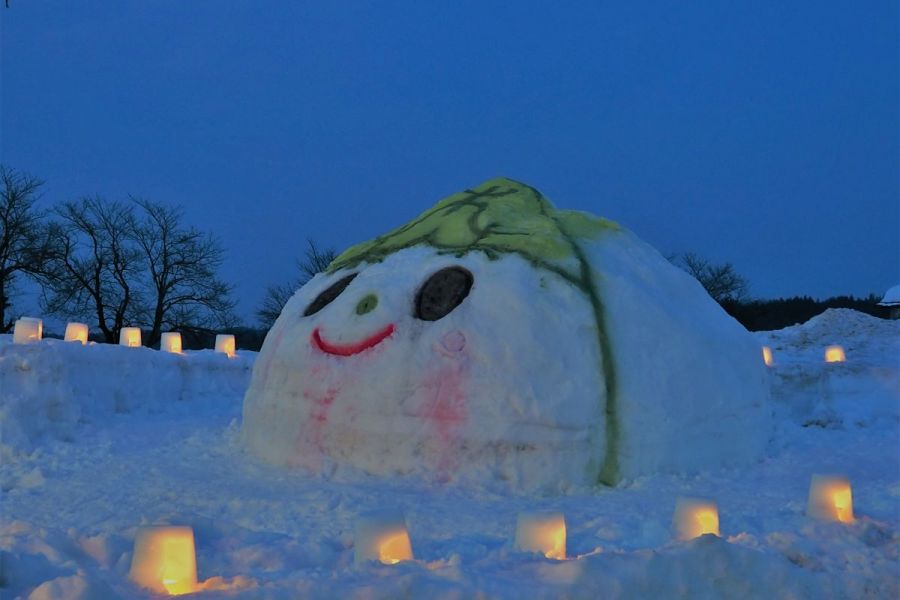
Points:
(48, 389)
(863, 391)
(495, 338)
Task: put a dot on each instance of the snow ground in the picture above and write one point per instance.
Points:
(75, 489)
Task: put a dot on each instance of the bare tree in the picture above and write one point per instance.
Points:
(184, 292)
(135, 262)
(24, 236)
(721, 281)
(93, 269)
(315, 261)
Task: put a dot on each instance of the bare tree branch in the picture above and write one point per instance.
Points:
(315, 261)
(721, 281)
(24, 239)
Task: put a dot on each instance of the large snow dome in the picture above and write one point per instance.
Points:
(495, 337)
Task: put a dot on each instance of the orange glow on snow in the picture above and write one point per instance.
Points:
(165, 560)
(695, 517)
(834, 354)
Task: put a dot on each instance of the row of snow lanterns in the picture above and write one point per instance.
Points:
(164, 558)
(29, 330)
(833, 354)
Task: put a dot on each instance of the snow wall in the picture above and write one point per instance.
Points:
(497, 338)
(49, 389)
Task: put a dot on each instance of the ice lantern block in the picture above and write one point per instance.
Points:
(28, 330)
(164, 560)
(381, 536)
(830, 498)
(225, 344)
(171, 342)
(76, 332)
(834, 354)
(130, 336)
(695, 517)
(543, 532)
(767, 356)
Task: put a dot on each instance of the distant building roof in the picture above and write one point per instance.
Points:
(891, 297)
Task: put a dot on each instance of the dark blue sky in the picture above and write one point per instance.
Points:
(760, 133)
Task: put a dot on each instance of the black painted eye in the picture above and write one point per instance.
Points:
(326, 297)
(443, 292)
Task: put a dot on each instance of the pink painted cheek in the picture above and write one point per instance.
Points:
(452, 343)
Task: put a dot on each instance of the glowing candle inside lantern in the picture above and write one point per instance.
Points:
(830, 498)
(76, 332)
(164, 560)
(225, 344)
(767, 356)
(130, 336)
(171, 342)
(382, 536)
(695, 517)
(28, 330)
(543, 532)
(834, 354)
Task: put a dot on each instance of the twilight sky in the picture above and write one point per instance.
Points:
(763, 133)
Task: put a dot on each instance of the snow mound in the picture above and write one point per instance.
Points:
(851, 329)
(495, 338)
(51, 388)
(863, 391)
(891, 297)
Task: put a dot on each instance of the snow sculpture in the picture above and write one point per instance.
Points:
(76, 332)
(695, 517)
(543, 532)
(130, 337)
(381, 536)
(170, 342)
(835, 354)
(495, 337)
(225, 344)
(164, 560)
(830, 498)
(28, 330)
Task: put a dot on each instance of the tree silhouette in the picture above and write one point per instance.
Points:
(314, 261)
(135, 263)
(24, 237)
(721, 281)
(183, 291)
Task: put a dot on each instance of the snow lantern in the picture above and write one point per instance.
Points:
(130, 336)
(767, 356)
(164, 560)
(835, 354)
(171, 342)
(695, 517)
(76, 332)
(381, 536)
(28, 330)
(497, 338)
(543, 532)
(225, 344)
(830, 498)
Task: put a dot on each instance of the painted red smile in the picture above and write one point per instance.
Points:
(352, 348)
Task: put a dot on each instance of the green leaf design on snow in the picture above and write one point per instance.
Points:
(502, 216)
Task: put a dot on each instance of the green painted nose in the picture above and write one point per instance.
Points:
(367, 304)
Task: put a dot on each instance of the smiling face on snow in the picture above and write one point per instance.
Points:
(415, 352)
(442, 292)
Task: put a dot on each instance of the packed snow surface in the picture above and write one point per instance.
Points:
(72, 504)
(568, 352)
